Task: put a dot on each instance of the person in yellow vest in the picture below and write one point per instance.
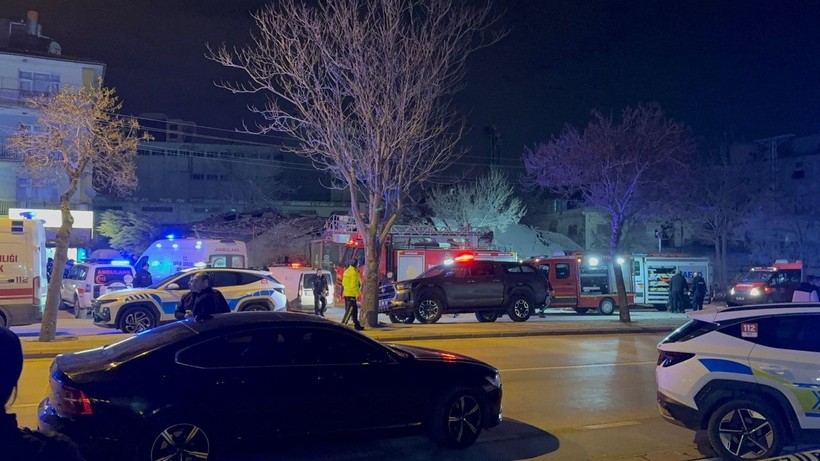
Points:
(351, 287)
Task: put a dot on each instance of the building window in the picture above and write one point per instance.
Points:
(163, 209)
(38, 83)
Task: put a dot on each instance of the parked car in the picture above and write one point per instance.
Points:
(90, 279)
(140, 309)
(487, 288)
(747, 375)
(207, 386)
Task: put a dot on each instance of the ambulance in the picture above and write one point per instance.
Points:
(168, 256)
(22, 271)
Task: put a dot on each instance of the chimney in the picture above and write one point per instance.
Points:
(32, 28)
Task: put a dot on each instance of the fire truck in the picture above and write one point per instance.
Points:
(408, 251)
(584, 282)
(771, 284)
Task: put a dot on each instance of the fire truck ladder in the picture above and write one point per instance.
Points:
(467, 236)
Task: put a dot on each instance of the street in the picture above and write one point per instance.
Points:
(566, 397)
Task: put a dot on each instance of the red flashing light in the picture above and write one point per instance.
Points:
(295, 265)
(465, 258)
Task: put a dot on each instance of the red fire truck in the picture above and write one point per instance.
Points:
(409, 249)
(771, 284)
(584, 282)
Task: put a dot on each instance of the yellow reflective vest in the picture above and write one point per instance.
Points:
(351, 283)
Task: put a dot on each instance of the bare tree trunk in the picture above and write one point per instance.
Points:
(370, 288)
(48, 327)
(620, 286)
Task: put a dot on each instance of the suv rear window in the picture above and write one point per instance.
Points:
(106, 275)
(690, 330)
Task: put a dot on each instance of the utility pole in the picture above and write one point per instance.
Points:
(771, 144)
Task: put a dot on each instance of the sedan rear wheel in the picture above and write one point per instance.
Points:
(183, 441)
(137, 319)
(746, 429)
(457, 419)
(78, 310)
(429, 309)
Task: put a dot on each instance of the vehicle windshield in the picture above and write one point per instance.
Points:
(757, 277)
(433, 271)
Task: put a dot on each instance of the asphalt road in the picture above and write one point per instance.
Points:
(565, 398)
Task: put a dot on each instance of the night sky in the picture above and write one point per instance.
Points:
(749, 69)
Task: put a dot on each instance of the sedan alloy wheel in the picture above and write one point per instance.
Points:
(181, 442)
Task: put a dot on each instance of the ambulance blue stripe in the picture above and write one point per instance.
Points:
(726, 366)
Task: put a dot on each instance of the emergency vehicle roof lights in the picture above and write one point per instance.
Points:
(593, 261)
(448, 261)
(295, 265)
(175, 246)
(464, 258)
(120, 262)
(170, 236)
(620, 260)
(200, 265)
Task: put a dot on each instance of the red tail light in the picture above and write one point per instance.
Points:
(667, 359)
(69, 401)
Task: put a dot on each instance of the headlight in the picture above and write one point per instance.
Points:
(754, 292)
(495, 381)
(732, 291)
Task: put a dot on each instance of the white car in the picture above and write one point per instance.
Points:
(92, 278)
(139, 309)
(749, 376)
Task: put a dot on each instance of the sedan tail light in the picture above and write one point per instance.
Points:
(667, 359)
(69, 401)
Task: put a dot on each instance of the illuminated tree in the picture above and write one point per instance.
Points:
(127, 231)
(77, 132)
(365, 89)
(489, 202)
(621, 167)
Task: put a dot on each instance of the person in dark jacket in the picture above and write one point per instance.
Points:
(202, 301)
(319, 293)
(677, 292)
(698, 291)
(143, 278)
(25, 444)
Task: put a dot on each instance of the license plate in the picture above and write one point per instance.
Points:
(739, 298)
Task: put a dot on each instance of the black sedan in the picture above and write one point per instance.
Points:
(190, 389)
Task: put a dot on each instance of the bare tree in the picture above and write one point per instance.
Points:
(77, 132)
(489, 201)
(365, 89)
(619, 167)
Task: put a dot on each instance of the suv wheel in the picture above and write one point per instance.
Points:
(746, 429)
(520, 308)
(136, 319)
(402, 318)
(486, 316)
(255, 307)
(429, 309)
(607, 306)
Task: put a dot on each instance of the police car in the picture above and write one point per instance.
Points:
(749, 376)
(140, 309)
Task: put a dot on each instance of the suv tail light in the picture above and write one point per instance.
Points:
(69, 401)
(667, 359)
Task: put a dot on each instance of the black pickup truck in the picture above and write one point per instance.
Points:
(487, 288)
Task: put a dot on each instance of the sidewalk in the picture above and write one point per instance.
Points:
(80, 334)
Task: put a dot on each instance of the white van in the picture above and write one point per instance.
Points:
(298, 282)
(169, 256)
(22, 271)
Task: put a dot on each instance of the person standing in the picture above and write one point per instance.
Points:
(143, 278)
(677, 291)
(698, 291)
(202, 301)
(320, 288)
(351, 287)
(25, 444)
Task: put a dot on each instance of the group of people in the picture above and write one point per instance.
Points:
(678, 292)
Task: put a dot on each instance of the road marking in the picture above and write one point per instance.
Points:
(609, 425)
(569, 367)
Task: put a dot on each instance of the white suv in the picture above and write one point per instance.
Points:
(92, 278)
(749, 376)
(139, 309)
